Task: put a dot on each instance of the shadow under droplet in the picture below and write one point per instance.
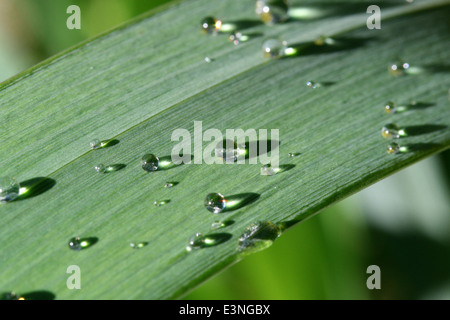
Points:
(214, 239)
(39, 295)
(423, 129)
(340, 44)
(285, 167)
(166, 163)
(262, 147)
(115, 167)
(420, 147)
(34, 187)
(240, 200)
(437, 68)
(110, 143)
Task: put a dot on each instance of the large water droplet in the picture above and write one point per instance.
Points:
(273, 48)
(211, 25)
(9, 189)
(258, 236)
(78, 243)
(215, 202)
(150, 162)
(272, 11)
(390, 131)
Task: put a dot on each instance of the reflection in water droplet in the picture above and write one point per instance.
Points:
(391, 131)
(9, 189)
(393, 148)
(313, 84)
(138, 245)
(78, 243)
(150, 162)
(211, 25)
(258, 236)
(272, 11)
(215, 202)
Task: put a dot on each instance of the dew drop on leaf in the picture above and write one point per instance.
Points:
(258, 236)
(9, 189)
(215, 202)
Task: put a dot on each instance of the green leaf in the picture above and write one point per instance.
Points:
(144, 80)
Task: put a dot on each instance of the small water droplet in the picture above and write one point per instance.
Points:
(313, 84)
(272, 11)
(323, 40)
(215, 202)
(218, 225)
(293, 154)
(197, 241)
(160, 203)
(238, 37)
(398, 68)
(168, 185)
(138, 245)
(9, 189)
(150, 162)
(211, 25)
(100, 168)
(390, 131)
(268, 170)
(95, 144)
(273, 48)
(393, 148)
(258, 236)
(208, 59)
(389, 107)
(229, 151)
(78, 243)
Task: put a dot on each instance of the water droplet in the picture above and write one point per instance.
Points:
(393, 148)
(197, 241)
(215, 202)
(313, 84)
(9, 189)
(389, 107)
(160, 203)
(390, 131)
(323, 40)
(273, 48)
(238, 37)
(138, 245)
(10, 296)
(268, 170)
(211, 25)
(100, 168)
(293, 154)
(229, 150)
(272, 11)
(398, 68)
(95, 144)
(208, 59)
(258, 236)
(150, 162)
(168, 185)
(78, 243)
(217, 225)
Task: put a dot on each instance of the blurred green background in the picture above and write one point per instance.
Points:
(400, 224)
